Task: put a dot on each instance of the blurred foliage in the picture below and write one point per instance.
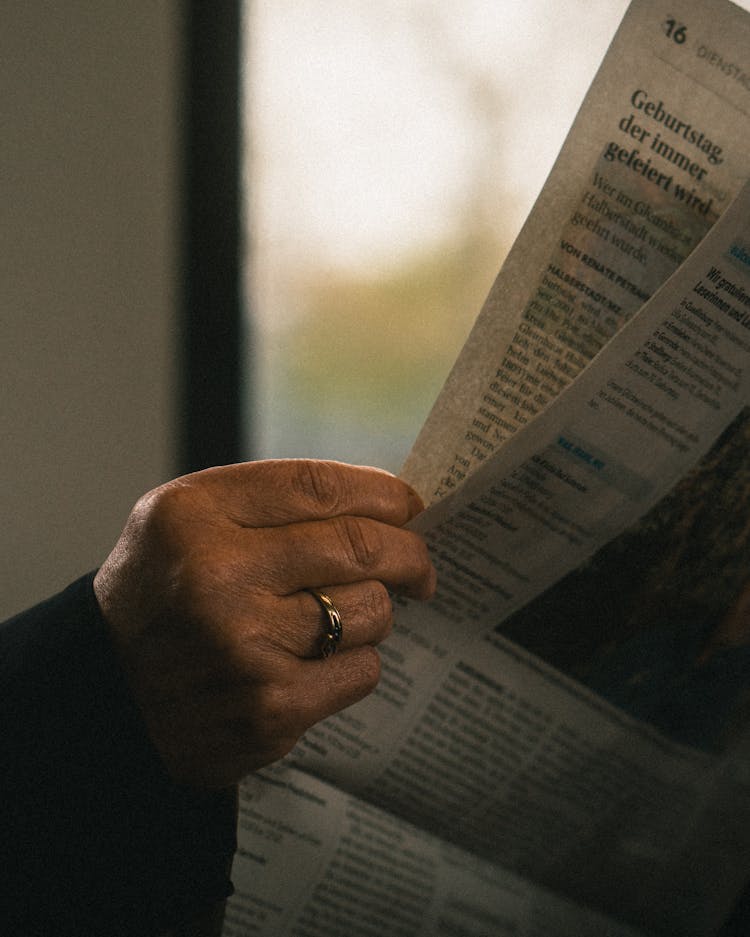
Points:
(376, 346)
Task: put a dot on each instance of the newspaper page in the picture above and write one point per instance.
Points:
(315, 862)
(596, 743)
(572, 707)
(657, 152)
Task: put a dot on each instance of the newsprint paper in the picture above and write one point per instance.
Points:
(560, 741)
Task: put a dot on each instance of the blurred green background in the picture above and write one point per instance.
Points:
(393, 151)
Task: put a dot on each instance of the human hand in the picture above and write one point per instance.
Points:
(205, 597)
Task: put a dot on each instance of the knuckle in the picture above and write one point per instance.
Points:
(250, 654)
(272, 705)
(359, 542)
(160, 511)
(166, 500)
(202, 589)
(276, 716)
(319, 483)
(376, 605)
(186, 581)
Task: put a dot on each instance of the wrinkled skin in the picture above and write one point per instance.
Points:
(205, 597)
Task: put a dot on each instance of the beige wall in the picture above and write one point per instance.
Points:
(88, 174)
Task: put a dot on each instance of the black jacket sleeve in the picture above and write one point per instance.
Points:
(95, 838)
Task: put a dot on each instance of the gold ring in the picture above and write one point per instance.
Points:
(332, 635)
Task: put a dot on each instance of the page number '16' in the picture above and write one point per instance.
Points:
(675, 31)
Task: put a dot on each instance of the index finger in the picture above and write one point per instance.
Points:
(283, 491)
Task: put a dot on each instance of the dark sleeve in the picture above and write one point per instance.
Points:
(738, 924)
(95, 838)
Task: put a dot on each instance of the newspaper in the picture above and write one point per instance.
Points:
(560, 741)
(657, 152)
(314, 860)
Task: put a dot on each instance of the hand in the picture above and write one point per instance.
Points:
(205, 596)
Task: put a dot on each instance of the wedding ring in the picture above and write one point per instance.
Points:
(332, 635)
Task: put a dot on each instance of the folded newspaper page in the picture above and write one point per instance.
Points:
(657, 152)
(313, 860)
(560, 741)
(574, 703)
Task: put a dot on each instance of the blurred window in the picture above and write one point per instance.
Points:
(392, 152)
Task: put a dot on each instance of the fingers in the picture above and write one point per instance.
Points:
(300, 621)
(256, 723)
(340, 550)
(325, 687)
(277, 492)
(205, 598)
